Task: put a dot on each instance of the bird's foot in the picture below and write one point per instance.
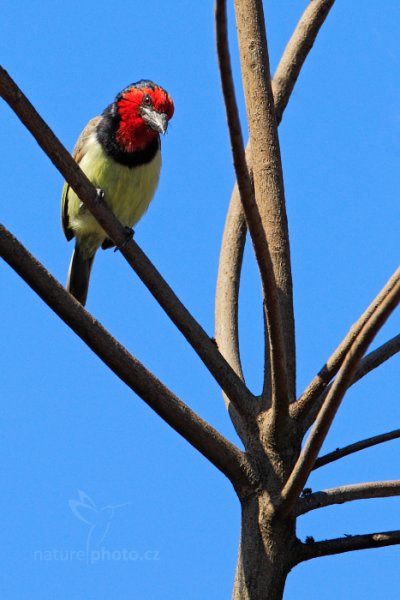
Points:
(98, 200)
(129, 233)
(107, 244)
(100, 196)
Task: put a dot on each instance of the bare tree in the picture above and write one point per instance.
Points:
(270, 474)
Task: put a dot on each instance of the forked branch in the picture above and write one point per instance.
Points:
(224, 455)
(165, 296)
(233, 242)
(308, 456)
(252, 212)
(270, 234)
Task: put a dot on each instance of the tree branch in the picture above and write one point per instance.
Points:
(233, 241)
(317, 386)
(371, 361)
(189, 327)
(347, 493)
(270, 237)
(347, 544)
(228, 283)
(334, 397)
(296, 52)
(375, 358)
(227, 295)
(251, 210)
(209, 442)
(356, 447)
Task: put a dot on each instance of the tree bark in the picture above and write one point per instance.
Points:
(265, 552)
(276, 272)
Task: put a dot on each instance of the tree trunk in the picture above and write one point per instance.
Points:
(265, 552)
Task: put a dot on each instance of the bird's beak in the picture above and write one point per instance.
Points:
(155, 120)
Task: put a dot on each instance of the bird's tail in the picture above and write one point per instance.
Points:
(79, 274)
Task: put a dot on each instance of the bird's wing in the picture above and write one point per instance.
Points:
(77, 154)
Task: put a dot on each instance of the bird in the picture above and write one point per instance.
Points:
(120, 153)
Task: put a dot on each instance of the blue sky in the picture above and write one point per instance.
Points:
(72, 435)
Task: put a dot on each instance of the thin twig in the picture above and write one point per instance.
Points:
(356, 447)
(347, 493)
(189, 327)
(321, 380)
(222, 453)
(268, 223)
(329, 408)
(233, 242)
(347, 544)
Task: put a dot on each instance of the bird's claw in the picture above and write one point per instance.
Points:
(98, 200)
(129, 233)
(99, 196)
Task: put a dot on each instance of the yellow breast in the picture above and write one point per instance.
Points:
(128, 191)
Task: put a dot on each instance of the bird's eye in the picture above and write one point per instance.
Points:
(147, 100)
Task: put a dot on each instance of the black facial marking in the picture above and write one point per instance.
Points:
(106, 135)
